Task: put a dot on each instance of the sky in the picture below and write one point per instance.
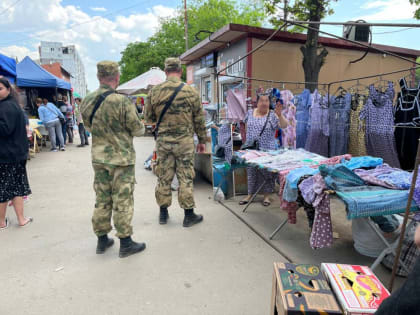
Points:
(101, 29)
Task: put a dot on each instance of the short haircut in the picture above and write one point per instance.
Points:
(38, 100)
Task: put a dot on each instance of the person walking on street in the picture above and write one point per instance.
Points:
(14, 183)
(175, 139)
(113, 121)
(79, 121)
(50, 117)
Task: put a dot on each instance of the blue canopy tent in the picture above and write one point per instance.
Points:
(29, 74)
(8, 68)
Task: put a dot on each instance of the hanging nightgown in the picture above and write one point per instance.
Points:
(379, 116)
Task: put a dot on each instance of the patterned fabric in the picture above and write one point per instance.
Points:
(13, 181)
(339, 119)
(357, 145)
(309, 209)
(317, 141)
(409, 252)
(115, 124)
(224, 139)
(303, 103)
(372, 180)
(366, 201)
(379, 116)
(114, 187)
(267, 142)
(289, 112)
(184, 117)
(313, 192)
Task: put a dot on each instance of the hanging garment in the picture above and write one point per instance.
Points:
(317, 141)
(378, 114)
(309, 209)
(339, 119)
(303, 103)
(408, 109)
(289, 112)
(357, 144)
(236, 104)
(313, 192)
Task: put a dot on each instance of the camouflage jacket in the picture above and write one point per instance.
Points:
(114, 125)
(183, 118)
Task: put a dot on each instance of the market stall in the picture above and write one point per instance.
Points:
(33, 81)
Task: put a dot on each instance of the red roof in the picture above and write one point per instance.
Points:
(234, 32)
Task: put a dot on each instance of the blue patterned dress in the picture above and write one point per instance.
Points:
(267, 142)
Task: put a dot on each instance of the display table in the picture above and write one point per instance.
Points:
(283, 162)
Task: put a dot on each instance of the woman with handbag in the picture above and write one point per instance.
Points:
(14, 183)
(261, 126)
(52, 119)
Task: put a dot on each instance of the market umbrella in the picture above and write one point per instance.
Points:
(143, 82)
(75, 94)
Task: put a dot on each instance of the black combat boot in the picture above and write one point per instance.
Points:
(191, 218)
(129, 247)
(103, 244)
(163, 216)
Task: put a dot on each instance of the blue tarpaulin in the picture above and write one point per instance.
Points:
(8, 68)
(29, 74)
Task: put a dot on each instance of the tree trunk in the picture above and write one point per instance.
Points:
(312, 61)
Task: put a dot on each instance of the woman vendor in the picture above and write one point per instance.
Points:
(255, 121)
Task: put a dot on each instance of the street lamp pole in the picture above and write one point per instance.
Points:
(186, 24)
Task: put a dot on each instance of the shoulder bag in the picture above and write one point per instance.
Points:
(98, 103)
(255, 144)
(219, 151)
(62, 120)
(167, 105)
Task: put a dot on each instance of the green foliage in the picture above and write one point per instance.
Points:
(418, 71)
(168, 41)
(302, 10)
(417, 13)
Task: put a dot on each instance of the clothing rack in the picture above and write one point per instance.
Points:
(369, 48)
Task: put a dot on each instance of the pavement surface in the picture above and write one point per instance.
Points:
(50, 266)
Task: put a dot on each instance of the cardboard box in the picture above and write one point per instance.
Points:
(356, 287)
(301, 289)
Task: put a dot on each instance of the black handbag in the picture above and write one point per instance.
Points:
(255, 144)
(219, 151)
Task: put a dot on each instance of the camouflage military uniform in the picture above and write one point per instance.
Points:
(175, 143)
(115, 124)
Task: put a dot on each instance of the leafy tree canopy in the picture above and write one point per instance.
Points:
(168, 41)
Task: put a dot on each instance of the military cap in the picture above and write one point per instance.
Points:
(107, 68)
(172, 64)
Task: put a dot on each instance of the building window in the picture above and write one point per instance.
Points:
(206, 90)
(65, 50)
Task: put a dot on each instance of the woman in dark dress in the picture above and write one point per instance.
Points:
(13, 155)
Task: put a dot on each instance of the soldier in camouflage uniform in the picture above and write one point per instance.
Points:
(113, 127)
(175, 142)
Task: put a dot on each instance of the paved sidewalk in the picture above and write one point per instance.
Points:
(50, 267)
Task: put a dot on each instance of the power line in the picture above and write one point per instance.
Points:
(396, 31)
(76, 24)
(9, 7)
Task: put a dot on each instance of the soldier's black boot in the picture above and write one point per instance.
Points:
(129, 247)
(163, 215)
(103, 244)
(191, 218)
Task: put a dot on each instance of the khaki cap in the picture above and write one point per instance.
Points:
(172, 64)
(107, 68)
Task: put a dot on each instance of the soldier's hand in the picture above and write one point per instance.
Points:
(201, 148)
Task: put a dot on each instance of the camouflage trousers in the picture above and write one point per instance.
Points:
(175, 158)
(114, 187)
